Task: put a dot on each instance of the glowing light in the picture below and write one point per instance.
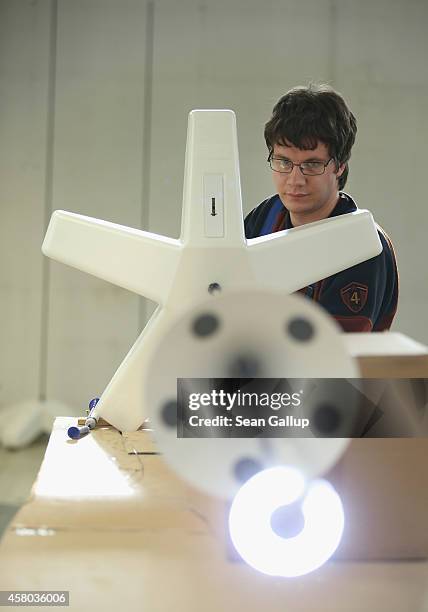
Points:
(88, 474)
(262, 548)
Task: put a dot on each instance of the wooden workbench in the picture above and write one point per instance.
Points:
(111, 523)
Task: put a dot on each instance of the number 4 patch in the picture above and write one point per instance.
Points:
(354, 296)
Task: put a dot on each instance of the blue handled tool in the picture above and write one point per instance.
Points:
(77, 432)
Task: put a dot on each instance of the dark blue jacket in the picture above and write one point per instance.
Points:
(361, 298)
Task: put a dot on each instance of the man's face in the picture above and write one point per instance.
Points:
(307, 196)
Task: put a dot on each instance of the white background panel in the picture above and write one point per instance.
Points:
(97, 170)
(382, 71)
(24, 66)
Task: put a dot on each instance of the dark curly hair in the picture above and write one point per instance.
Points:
(305, 116)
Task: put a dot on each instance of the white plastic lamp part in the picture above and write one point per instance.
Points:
(211, 249)
(257, 542)
(260, 325)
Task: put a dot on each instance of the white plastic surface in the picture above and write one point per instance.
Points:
(251, 323)
(177, 273)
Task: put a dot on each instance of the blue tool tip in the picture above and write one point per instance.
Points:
(74, 433)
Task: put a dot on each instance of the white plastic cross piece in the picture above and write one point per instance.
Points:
(212, 251)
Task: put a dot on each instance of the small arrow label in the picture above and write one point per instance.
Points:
(213, 212)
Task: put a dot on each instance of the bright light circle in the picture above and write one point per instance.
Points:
(257, 543)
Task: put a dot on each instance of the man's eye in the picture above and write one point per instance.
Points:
(312, 165)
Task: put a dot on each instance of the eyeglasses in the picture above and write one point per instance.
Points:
(310, 168)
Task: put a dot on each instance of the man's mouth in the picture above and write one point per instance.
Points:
(297, 195)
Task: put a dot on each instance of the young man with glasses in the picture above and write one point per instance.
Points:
(309, 138)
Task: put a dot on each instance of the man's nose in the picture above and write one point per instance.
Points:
(296, 177)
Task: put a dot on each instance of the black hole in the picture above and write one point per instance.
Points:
(205, 325)
(288, 521)
(245, 468)
(244, 366)
(301, 329)
(214, 288)
(327, 419)
(169, 413)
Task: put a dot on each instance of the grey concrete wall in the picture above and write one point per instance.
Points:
(94, 97)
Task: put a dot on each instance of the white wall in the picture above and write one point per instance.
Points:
(94, 96)
(24, 71)
(97, 170)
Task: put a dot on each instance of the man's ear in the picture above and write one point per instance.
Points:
(341, 170)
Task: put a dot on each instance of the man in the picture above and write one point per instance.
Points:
(309, 138)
